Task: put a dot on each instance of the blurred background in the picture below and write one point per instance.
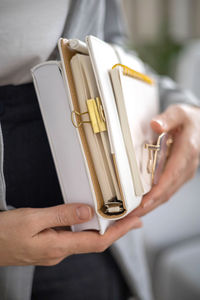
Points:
(163, 32)
(166, 35)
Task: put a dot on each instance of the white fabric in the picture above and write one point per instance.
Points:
(178, 219)
(29, 31)
(178, 272)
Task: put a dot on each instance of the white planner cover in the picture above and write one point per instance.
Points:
(65, 145)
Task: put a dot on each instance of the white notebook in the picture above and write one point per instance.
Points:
(98, 143)
(137, 103)
(68, 157)
(106, 168)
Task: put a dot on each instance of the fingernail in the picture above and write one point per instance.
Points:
(160, 122)
(84, 212)
(148, 203)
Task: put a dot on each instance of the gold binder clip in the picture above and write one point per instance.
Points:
(96, 116)
(135, 74)
(76, 113)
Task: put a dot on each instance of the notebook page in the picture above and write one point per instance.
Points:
(103, 138)
(103, 175)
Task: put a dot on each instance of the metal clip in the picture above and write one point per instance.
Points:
(158, 155)
(153, 149)
(96, 114)
(114, 207)
(73, 113)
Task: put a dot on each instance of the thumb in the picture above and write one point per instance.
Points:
(63, 215)
(169, 120)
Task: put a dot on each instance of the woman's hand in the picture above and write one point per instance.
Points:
(31, 236)
(184, 122)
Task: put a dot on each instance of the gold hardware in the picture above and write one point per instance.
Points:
(132, 73)
(153, 152)
(73, 113)
(100, 109)
(96, 116)
(114, 207)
